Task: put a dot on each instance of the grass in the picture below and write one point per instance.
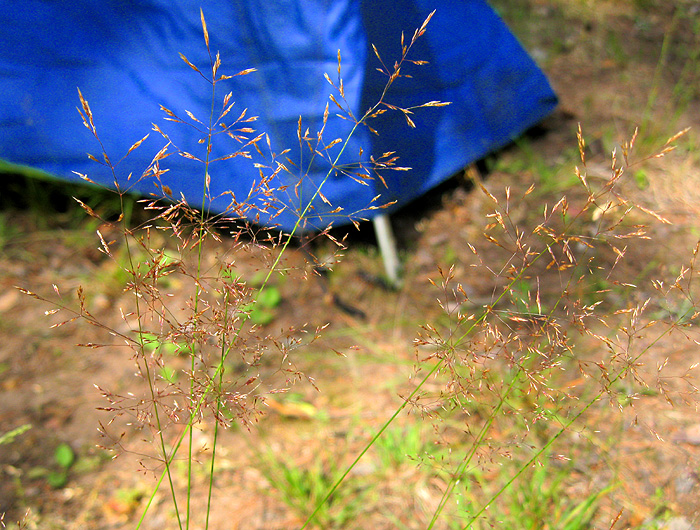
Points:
(472, 435)
(303, 486)
(539, 500)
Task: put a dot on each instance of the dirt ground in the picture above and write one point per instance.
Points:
(614, 66)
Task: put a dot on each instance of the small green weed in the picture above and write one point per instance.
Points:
(400, 446)
(169, 374)
(301, 487)
(64, 457)
(641, 179)
(153, 344)
(550, 175)
(540, 501)
(262, 311)
(57, 475)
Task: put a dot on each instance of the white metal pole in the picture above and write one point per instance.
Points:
(387, 247)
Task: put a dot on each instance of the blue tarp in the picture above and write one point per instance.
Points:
(124, 57)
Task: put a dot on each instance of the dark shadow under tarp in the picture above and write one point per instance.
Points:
(124, 58)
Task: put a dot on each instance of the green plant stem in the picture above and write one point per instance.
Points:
(216, 427)
(213, 457)
(198, 289)
(150, 377)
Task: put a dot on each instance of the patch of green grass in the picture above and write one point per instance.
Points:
(550, 176)
(679, 58)
(301, 487)
(262, 311)
(542, 502)
(402, 445)
(540, 499)
(129, 499)
(614, 47)
(56, 475)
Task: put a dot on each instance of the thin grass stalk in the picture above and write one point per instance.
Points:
(142, 351)
(86, 114)
(213, 449)
(188, 428)
(219, 410)
(198, 288)
(334, 165)
(87, 117)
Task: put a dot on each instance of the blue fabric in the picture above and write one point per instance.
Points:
(124, 58)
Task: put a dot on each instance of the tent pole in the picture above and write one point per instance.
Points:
(387, 247)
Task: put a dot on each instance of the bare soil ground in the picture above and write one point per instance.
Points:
(613, 70)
